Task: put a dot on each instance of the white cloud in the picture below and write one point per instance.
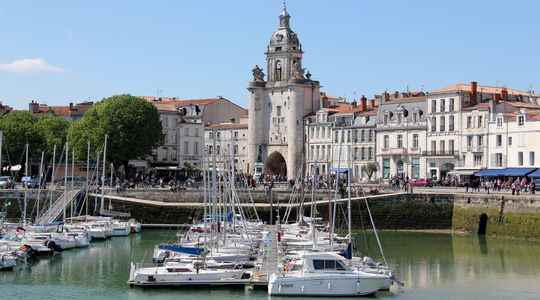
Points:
(30, 65)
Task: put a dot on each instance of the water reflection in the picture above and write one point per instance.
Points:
(431, 265)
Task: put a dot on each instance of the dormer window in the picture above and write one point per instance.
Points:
(278, 49)
(521, 120)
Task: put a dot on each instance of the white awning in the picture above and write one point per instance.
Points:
(463, 172)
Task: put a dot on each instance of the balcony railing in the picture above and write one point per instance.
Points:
(441, 153)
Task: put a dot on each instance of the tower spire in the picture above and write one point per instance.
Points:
(284, 17)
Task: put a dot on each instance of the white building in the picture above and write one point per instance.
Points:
(227, 143)
(514, 136)
(401, 136)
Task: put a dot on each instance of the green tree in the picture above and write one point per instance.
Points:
(19, 129)
(131, 123)
(370, 169)
(53, 131)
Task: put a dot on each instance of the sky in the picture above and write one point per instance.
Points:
(58, 52)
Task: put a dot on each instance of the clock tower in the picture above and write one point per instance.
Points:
(278, 105)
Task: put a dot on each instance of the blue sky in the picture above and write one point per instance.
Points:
(62, 51)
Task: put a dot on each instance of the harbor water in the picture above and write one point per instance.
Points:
(431, 266)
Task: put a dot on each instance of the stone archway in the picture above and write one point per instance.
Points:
(276, 165)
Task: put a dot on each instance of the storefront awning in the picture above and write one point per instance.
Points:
(462, 172)
(535, 174)
(489, 173)
(509, 172)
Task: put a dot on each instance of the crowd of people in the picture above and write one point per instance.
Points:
(515, 185)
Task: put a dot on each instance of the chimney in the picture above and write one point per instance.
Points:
(492, 110)
(504, 94)
(363, 103)
(33, 107)
(474, 92)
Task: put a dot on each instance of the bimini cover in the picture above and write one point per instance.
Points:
(180, 249)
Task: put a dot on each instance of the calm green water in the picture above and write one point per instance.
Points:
(433, 266)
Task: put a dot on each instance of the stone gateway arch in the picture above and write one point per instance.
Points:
(279, 103)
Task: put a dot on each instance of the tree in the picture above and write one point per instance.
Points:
(19, 129)
(53, 131)
(370, 169)
(131, 123)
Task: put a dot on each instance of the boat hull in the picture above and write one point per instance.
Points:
(323, 286)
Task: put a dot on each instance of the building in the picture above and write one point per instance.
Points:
(212, 110)
(226, 143)
(278, 105)
(459, 126)
(514, 135)
(401, 135)
(183, 122)
(337, 129)
(73, 112)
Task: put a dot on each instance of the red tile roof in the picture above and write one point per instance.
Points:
(466, 87)
(227, 126)
(170, 103)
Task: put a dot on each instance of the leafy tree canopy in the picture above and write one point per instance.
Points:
(19, 128)
(131, 123)
(53, 131)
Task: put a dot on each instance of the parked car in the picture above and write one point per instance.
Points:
(6, 182)
(422, 182)
(30, 182)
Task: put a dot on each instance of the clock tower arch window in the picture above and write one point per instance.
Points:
(278, 71)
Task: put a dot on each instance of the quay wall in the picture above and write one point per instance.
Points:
(496, 214)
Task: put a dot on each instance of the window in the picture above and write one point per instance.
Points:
(370, 135)
(209, 149)
(499, 140)
(385, 119)
(370, 153)
(480, 140)
(196, 148)
(218, 149)
(363, 153)
(499, 122)
(235, 149)
(236, 135)
(469, 142)
(509, 141)
(433, 124)
(386, 141)
(451, 146)
(186, 132)
(451, 105)
(478, 159)
(442, 146)
(451, 123)
(386, 168)
(498, 159)
(443, 124)
(342, 135)
(415, 117)
(355, 135)
(521, 120)
(415, 168)
(400, 141)
(433, 147)
(186, 147)
(415, 141)
(278, 111)
(336, 135)
(355, 154)
(433, 106)
(211, 135)
(531, 158)
(442, 105)
(362, 136)
(480, 122)
(469, 122)
(520, 158)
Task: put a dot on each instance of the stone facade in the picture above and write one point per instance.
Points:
(278, 105)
